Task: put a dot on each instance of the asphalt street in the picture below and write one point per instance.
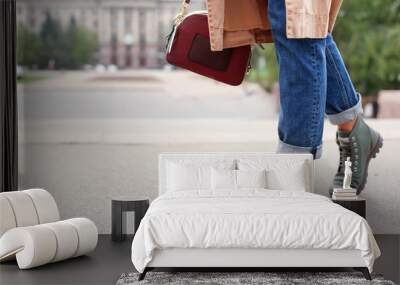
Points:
(75, 95)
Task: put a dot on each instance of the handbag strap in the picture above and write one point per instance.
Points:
(182, 12)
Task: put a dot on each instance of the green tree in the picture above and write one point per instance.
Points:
(368, 35)
(28, 47)
(264, 66)
(81, 45)
(53, 45)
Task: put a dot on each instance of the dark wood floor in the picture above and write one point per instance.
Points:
(103, 266)
(110, 260)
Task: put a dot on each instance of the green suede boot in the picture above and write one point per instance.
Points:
(361, 144)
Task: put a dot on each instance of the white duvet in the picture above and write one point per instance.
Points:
(250, 219)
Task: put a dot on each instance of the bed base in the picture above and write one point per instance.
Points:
(250, 259)
(363, 270)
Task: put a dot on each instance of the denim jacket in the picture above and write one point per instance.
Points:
(235, 23)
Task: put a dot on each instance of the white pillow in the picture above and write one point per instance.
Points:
(231, 180)
(282, 174)
(294, 180)
(223, 179)
(188, 177)
(251, 178)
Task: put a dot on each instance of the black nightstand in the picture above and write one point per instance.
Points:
(126, 204)
(357, 206)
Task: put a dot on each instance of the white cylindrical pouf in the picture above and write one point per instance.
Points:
(23, 207)
(33, 246)
(87, 234)
(67, 239)
(45, 205)
(31, 233)
(7, 218)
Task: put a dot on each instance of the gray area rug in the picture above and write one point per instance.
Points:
(243, 278)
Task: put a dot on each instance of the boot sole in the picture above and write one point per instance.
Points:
(374, 152)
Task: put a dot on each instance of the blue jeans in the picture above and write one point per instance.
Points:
(313, 82)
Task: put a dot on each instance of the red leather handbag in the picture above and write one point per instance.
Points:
(188, 47)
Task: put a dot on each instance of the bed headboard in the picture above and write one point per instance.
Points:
(164, 158)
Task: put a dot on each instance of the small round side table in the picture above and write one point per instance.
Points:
(120, 205)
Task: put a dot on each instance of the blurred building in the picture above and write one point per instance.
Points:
(389, 104)
(131, 33)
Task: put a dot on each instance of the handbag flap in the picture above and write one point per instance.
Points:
(189, 48)
(200, 53)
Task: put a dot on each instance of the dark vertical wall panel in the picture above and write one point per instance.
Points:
(8, 98)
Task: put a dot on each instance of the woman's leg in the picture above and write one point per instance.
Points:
(313, 78)
(343, 103)
(303, 83)
(343, 106)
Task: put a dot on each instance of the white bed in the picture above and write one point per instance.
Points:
(282, 224)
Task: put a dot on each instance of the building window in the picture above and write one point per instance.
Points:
(142, 61)
(114, 42)
(114, 39)
(142, 31)
(128, 20)
(128, 55)
(113, 20)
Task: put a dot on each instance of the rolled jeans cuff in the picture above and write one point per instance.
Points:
(288, 148)
(347, 115)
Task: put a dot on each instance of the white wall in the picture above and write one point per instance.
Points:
(83, 174)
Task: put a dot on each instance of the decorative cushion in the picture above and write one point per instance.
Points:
(223, 179)
(188, 177)
(251, 178)
(193, 174)
(231, 180)
(167, 171)
(295, 180)
(283, 174)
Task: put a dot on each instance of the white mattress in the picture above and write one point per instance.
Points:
(250, 219)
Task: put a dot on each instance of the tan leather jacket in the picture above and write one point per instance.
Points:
(235, 23)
